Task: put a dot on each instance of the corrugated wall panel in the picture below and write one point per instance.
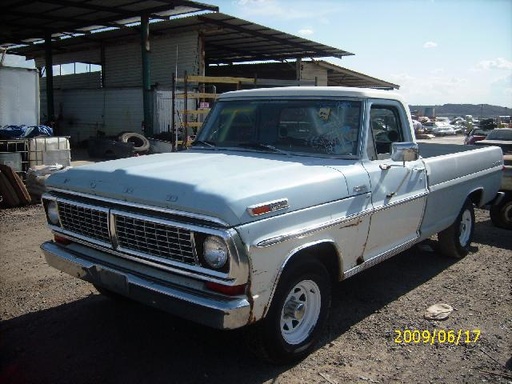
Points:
(85, 112)
(123, 65)
(163, 57)
(82, 113)
(123, 62)
(123, 110)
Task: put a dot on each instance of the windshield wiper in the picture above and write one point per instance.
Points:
(268, 147)
(208, 144)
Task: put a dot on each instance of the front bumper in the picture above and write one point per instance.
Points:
(209, 309)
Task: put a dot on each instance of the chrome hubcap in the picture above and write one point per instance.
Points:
(294, 309)
(465, 228)
(300, 312)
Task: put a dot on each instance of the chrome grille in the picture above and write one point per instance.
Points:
(135, 234)
(85, 221)
(154, 238)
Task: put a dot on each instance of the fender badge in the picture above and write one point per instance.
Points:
(268, 207)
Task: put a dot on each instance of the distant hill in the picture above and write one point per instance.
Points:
(453, 110)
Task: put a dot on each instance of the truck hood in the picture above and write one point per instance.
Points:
(221, 185)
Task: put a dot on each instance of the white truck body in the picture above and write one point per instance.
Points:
(146, 227)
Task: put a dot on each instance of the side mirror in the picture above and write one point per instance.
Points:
(408, 151)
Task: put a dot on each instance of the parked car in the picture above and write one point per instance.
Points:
(476, 134)
(442, 128)
(501, 137)
(488, 124)
(428, 126)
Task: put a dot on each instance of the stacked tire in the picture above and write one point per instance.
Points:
(139, 141)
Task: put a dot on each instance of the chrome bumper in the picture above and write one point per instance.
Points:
(213, 311)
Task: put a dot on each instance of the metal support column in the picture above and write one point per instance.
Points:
(49, 78)
(102, 58)
(146, 76)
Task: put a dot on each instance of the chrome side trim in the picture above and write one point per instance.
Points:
(310, 230)
(187, 215)
(320, 227)
(379, 258)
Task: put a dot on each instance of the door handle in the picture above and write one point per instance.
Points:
(360, 188)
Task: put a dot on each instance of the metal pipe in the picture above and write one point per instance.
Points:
(146, 75)
(49, 76)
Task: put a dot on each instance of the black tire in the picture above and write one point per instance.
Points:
(455, 240)
(140, 143)
(501, 214)
(297, 314)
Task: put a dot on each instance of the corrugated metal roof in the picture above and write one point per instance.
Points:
(230, 39)
(336, 75)
(341, 76)
(79, 26)
(227, 40)
(28, 21)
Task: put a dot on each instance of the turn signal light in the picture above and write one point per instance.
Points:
(61, 240)
(230, 290)
(272, 206)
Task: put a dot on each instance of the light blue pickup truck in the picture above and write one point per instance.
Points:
(285, 192)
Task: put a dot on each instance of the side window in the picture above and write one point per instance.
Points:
(385, 128)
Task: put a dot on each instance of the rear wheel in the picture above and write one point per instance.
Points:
(501, 214)
(455, 240)
(298, 312)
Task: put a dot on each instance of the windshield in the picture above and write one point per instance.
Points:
(500, 134)
(316, 127)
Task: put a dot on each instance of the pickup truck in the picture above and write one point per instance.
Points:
(284, 193)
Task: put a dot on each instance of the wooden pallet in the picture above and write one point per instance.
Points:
(12, 189)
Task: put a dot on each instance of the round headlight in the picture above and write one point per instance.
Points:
(52, 211)
(215, 252)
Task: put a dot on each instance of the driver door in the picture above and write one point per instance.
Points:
(398, 189)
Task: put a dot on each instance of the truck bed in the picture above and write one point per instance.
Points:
(454, 171)
(428, 150)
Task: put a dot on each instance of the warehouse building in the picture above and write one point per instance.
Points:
(157, 64)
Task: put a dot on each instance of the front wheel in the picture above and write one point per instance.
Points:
(501, 214)
(296, 317)
(455, 240)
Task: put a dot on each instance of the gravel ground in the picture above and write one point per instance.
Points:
(58, 329)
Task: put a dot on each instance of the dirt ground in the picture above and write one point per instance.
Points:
(58, 329)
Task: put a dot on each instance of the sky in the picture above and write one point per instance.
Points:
(438, 51)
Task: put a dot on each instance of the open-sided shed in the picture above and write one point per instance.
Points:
(139, 46)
